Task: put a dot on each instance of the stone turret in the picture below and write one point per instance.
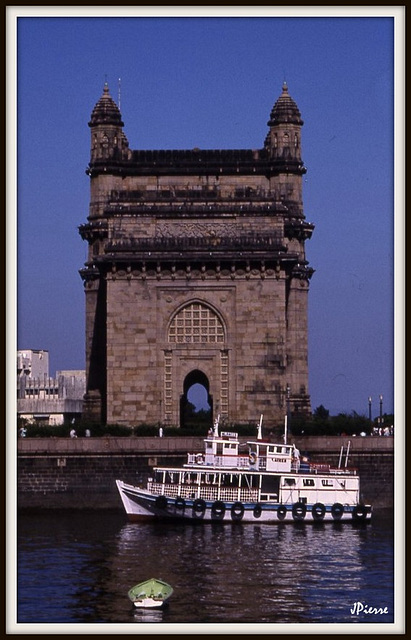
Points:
(107, 137)
(283, 147)
(284, 138)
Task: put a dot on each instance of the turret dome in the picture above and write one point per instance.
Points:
(285, 110)
(106, 111)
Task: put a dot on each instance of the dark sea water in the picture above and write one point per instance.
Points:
(75, 567)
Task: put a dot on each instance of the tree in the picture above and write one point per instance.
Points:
(321, 413)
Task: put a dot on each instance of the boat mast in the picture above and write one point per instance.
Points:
(259, 428)
(216, 423)
(341, 453)
(348, 450)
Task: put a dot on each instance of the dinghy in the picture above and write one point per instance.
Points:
(151, 593)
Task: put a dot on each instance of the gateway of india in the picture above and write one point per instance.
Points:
(196, 274)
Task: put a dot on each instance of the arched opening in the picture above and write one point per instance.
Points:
(196, 403)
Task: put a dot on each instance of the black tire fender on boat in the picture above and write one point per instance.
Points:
(199, 507)
(237, 511)
(318, 511)
(161, 502)
(218, 510)
(337, 511)
(257, 511)
(299, 511)
(281, 512)
(359, 513)
(180, 503)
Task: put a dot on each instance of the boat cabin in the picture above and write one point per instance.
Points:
(227, 451)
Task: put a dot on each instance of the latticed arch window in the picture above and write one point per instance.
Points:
(196, 323)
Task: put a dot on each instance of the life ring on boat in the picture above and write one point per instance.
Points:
(359, 513)
(180, 503)
(252, 457)
(237, 511)
(218, 510)
(161, 502)
(337, 511)
(257, 511)
(281, 512)
(318, 511)
(199, 458)
(299, 510)
(199, 507)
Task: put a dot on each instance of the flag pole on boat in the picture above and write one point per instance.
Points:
(259, 428)
(285, 429)
(216, 422)
(348, 451)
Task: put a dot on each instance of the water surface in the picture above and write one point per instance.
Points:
(77, 568)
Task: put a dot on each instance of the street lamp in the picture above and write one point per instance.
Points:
(369, 408)
(381, 411)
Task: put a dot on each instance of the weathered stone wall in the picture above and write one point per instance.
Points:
(56, 473)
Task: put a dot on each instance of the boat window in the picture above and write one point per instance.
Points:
(271, 484)
(289, 481)
(308, 482)
(327, 483)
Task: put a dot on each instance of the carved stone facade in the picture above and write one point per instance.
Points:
(196, 272)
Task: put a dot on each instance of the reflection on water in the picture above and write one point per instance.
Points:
(283, 573)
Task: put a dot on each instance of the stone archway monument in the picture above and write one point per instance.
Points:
(196, 262)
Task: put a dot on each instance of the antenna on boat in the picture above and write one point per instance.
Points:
(348, 450)
(259, 428)
(341, 452)
(285, 429)
(216, 423)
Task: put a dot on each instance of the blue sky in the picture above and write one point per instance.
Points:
(210, 82)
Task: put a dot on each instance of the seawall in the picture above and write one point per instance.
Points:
(64, 473)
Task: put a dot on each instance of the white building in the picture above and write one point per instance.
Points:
(47, 400)
(33, 363)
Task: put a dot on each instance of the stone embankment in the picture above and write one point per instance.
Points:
(80, 473)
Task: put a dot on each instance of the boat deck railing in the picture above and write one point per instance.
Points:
(210, 492)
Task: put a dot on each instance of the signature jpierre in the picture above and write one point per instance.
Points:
(359, 607)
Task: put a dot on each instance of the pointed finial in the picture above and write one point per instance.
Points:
(285, 87)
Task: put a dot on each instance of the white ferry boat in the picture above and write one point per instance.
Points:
(255, 481)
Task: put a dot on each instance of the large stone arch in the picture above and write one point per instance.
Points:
(196, 352)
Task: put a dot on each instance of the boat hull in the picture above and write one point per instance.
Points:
(148, 603)
(141, 505)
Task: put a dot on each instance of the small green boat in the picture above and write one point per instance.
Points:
(151, 593)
